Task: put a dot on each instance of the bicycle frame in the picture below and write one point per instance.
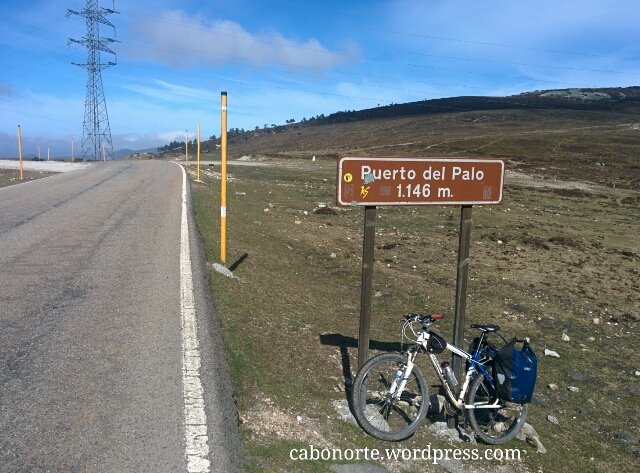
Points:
(474, 365)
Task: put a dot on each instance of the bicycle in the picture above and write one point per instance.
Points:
(391, 398)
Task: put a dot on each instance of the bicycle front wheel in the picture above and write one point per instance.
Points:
(378, 411)
(496, 425)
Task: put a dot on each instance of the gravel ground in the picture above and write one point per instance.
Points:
(49, 166)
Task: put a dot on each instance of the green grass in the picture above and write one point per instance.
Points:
(545, 262)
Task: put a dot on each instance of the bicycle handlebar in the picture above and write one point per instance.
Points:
(421, 317)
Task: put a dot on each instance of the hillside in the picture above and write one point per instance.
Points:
(587, 134)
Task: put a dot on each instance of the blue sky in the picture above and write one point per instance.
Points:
(283, 59)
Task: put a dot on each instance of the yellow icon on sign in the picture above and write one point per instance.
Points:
(364, 191)
(348, 177)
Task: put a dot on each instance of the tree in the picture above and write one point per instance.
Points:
(212, 137)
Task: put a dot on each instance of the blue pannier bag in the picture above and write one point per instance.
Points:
(514, 373)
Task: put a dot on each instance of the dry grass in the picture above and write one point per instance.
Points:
(594, 144)
(546, 262)
(10, 177)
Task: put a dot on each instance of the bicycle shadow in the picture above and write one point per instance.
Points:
(344, 343)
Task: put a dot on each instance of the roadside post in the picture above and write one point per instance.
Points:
(104, 156)
(371, 181)
(71, 151)
(39, 151)
(186, 147)
(20, 151)
(198, 151)
(223, 182)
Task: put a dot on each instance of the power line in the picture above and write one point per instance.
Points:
(33, 31)
(176, 23)
(40, 90)
(33, 59)
(40, 67)
(354, 56)
(353, 73)
(340, 80)
(20, 11)
(483, 99)
(41, 41)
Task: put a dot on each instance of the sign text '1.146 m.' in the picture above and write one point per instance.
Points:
(365, 181)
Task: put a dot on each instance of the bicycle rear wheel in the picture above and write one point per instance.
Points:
(495, 425)
(377, 411)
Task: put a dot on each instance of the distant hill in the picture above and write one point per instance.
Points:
(123, 153)
(591, 132)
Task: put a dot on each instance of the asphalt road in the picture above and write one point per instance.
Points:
(91, 355)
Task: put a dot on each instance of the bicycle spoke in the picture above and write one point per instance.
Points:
(493, 425)
(381, 413)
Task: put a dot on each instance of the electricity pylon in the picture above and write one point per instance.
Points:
(95, 129)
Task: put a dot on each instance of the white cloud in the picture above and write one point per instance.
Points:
(7, 91)
(169, 92)
(180, 40)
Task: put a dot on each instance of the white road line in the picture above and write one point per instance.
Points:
(195, 418)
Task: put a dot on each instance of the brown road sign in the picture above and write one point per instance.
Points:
(376, 180)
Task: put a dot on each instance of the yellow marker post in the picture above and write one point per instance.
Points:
(223, 183)
(198, 151)
(104, 158)
(48, 154)
(20, 151)
(186, 146)
(38, 152)
(71, 150)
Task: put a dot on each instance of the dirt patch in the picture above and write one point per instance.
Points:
(266, 421)
(325, 211)
(520, 178)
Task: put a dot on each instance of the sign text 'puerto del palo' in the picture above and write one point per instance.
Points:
(374, 180)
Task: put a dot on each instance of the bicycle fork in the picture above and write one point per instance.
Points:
(402, 376)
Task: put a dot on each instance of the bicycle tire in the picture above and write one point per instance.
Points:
(380, 415)
(493, 426)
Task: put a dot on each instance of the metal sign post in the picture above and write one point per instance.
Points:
(366, 291)
(461, 293)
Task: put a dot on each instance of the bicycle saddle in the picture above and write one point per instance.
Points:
(486, 327)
